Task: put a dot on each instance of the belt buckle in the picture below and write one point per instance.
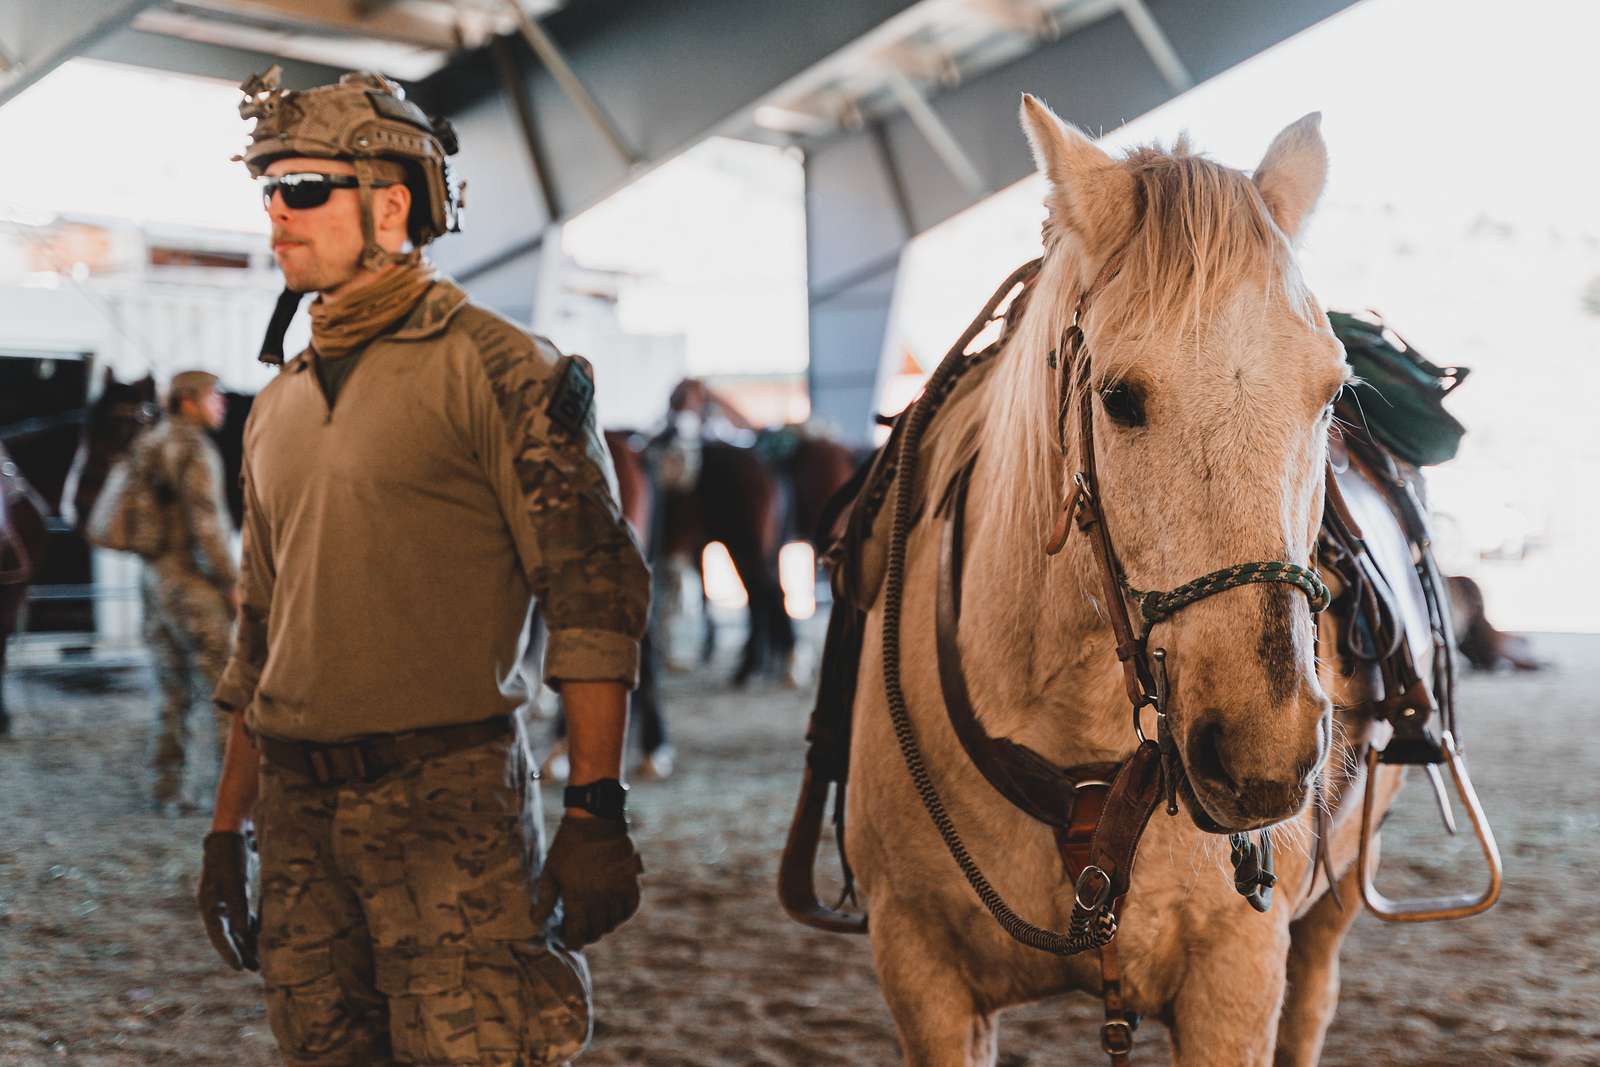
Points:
(358, 759)
(321, 772)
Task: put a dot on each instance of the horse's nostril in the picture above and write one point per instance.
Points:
(1205, 751)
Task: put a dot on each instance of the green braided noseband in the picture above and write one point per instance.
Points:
(1157, 606)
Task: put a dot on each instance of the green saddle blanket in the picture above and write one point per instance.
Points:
(1399, 399)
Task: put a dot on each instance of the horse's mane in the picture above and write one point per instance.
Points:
(1200, 231)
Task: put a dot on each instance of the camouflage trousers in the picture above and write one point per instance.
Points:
(187, 621)
(396, 921)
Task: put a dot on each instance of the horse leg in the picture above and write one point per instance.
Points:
(1226, 1011)
(758, 590)
(1312, 991)
(5, 716)
(935, 1012)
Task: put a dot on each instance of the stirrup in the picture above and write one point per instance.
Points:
(1429, 909)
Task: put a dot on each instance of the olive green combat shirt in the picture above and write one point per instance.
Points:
(392, 543)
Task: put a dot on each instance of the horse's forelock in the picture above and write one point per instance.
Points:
(1201, 232)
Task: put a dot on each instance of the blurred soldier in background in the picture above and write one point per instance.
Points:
(188, 591)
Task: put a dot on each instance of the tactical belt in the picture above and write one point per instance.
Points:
(368, 759)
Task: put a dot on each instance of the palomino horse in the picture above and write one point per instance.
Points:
(1164, 405)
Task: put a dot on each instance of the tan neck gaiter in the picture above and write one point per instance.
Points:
(342, 326)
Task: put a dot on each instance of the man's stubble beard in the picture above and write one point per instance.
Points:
(317, 276)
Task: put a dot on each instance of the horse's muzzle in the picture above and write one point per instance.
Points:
(1223, 800)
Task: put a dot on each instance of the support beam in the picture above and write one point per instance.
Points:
(515, 88)
(1099, 76)
(940, 139)
(400, 25)
(160, 52)
(670, 74)
(572, 85)
(41, 37)
(1155, 42)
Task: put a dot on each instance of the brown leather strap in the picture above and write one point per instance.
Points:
(1036, 786)
(1134, 796)
(1130, 647)
(1116, 1035)
(368, 759)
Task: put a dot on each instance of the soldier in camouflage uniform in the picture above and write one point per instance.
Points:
(187, 592)
(413, 481)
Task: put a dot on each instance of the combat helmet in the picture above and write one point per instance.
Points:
(366, 120)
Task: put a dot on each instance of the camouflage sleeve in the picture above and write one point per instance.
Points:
(206, 510)
(540, 449)
(237, 686)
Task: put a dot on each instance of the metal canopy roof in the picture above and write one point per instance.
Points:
(409, 39)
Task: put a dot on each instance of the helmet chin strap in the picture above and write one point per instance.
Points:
(373, 255)
(282, 315)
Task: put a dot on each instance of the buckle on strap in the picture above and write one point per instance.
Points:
(1116, 1037)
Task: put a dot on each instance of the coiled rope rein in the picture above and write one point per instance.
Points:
(1156, 607)
(1093, 924)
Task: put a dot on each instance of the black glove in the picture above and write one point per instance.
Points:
(224, 906)
(593, 869)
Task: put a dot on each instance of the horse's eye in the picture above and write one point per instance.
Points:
(1123, 404)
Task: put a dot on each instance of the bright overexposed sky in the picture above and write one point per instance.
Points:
(714, 244)
(110, 140)
(1463, 203)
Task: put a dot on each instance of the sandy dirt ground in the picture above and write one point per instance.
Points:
(103, 962)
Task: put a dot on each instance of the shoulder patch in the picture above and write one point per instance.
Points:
(572, 398)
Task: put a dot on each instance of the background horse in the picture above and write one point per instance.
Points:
(1486, 647)
(755, 493)
(733, 497)
(1210, 385)
(23, 536)
(49, 478)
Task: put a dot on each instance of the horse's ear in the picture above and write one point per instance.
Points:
(1091, 195)
(1293, 172)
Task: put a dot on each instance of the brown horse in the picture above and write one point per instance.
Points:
(23, 535)
(120, 413)
(735, 499)
(1485, 647)
(53, 458)
(752, 498)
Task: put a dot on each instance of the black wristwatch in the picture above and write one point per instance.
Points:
(606, 798)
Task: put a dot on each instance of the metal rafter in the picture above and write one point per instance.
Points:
(425, 27)
(939, 137)
(1156, 42)
(68, 31)
(570, 83)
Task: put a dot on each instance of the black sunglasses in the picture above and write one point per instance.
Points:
(301, 191)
